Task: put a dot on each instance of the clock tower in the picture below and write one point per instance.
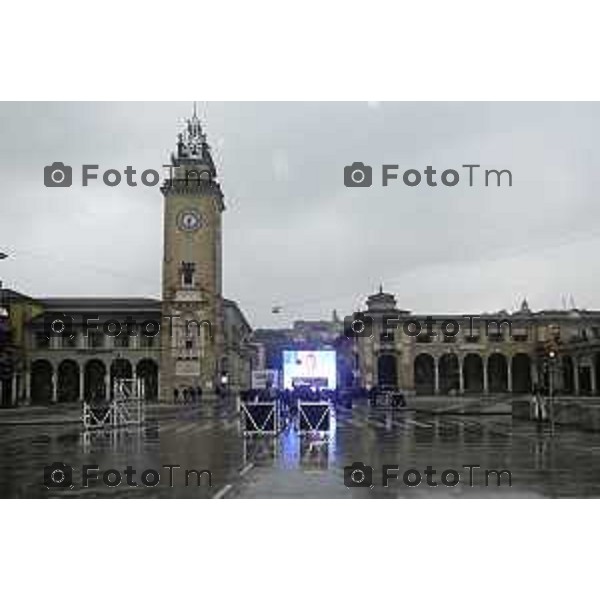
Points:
(192, 325)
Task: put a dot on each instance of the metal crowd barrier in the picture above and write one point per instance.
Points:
(260, 418)
(314, 417)
(125, 408)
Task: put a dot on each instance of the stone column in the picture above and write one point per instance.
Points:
(54, 387)
(27, 376)
(461, 377)
(81, 382)
(14, 391)
(134, 377)
(436, 375)
(107, 383)
(534, 373)
(485, 374)
(576, 375)
(400, 376)
(509, 373)
(593, 381)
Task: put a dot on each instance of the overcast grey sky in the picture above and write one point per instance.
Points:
(294, 235)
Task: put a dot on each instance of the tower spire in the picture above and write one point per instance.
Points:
(192, 147)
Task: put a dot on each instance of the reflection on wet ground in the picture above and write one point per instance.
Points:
(543, 463)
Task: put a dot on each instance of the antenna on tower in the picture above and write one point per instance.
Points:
(195, 115)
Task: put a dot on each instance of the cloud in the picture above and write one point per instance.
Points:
(293, 234)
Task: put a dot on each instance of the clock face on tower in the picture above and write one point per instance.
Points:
(189, 220)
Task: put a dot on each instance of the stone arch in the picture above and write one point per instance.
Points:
(41, 381)
(568, 375)
(585, 378)
(94, 380)
(68, 381)
(120, 368)
(449, 373)
(147, 371)
(6, 390)
(497, 367)
(521, 373)
(387, 373)
(424, 374)
(473, 373)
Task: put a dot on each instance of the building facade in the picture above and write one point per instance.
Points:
(66, 349)
(448, 354)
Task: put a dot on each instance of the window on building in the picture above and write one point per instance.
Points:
(94, 339)
(121, 341)
(187, 273)
(147, 341)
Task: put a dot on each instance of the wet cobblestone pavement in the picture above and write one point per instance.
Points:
(543, 463)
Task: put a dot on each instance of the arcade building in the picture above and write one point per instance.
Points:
(495, 353)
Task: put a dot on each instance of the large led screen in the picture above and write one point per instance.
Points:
(315, 368)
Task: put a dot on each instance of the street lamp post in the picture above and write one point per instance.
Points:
(552, 356)
(551, 368)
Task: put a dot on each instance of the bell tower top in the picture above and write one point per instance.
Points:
(192, 147)
(192, 170)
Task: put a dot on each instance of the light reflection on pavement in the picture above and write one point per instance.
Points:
(562, 464)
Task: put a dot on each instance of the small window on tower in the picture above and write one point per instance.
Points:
(187, 273)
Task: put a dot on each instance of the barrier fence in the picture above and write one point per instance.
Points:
(314, 417)
(125, 408)
(261, 418)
